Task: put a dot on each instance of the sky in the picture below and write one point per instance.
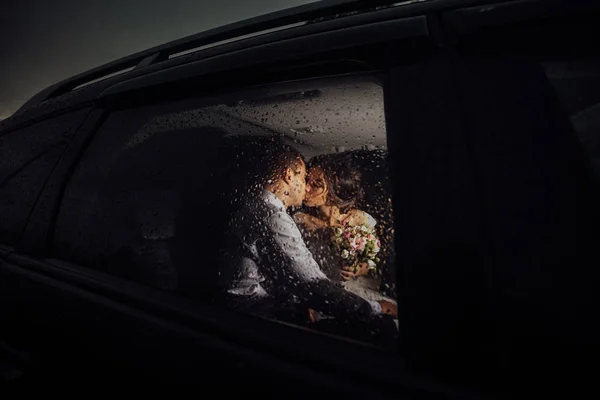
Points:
(43, 42)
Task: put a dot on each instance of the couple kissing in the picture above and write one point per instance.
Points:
(275, 273)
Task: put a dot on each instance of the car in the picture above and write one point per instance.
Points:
(473, 126)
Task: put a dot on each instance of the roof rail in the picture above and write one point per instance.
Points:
(294, 15)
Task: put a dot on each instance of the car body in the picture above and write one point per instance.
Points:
(494, 201)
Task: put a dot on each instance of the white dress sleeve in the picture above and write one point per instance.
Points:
(360, 217)
(371, 222)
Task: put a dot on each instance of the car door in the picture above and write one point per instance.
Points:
(115, 310)
(527, 95)
(483, 226)
(30, 152)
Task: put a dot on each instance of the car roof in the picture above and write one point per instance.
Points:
(263, 25)
(322, 16)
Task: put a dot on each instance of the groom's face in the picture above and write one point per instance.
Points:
(297, 185)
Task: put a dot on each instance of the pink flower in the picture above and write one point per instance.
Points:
(360, 243)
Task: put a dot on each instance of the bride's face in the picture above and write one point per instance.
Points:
(316, 193)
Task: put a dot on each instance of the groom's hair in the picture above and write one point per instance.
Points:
(279, 159)
(259, 161)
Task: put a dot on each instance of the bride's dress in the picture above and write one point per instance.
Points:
(320, 245)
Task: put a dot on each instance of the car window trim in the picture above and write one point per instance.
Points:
(413, 27)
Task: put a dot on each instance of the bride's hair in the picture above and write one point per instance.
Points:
(343, 179)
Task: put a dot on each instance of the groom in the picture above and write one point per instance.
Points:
(274, 270)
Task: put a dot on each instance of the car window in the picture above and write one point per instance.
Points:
(27, 157)
(273, 201)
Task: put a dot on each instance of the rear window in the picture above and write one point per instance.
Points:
(273, 201)
(27, 157)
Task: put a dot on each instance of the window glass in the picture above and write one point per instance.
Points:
(27, 157)
(273, 201)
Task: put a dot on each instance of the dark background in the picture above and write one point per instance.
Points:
(43, 42)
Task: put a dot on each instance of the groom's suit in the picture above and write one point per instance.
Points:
(271, 269)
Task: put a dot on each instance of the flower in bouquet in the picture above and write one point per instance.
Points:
(357, 245)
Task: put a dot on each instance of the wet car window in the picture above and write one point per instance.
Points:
(273, 201)
(27, 157)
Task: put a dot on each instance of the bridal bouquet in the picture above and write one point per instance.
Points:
(357, 245)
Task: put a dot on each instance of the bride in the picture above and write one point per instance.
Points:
(332, 191)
